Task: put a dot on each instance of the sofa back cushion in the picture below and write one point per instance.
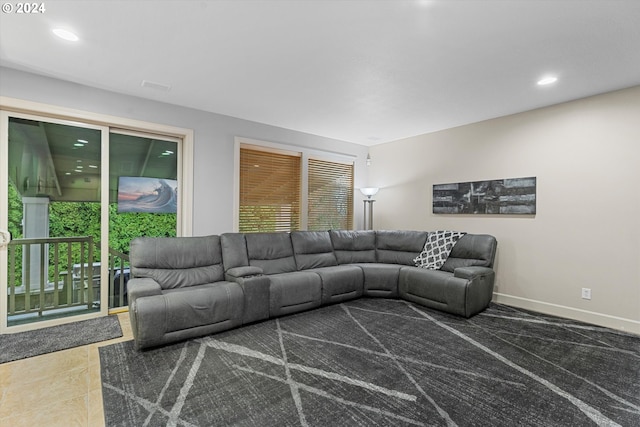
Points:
(399, 246)
(312, 249)
(472, 250)
(270, 251)
(234, 250)
(354, 246)
(177, 262)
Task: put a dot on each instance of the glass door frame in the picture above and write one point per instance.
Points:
(11, 107)
(104, 218)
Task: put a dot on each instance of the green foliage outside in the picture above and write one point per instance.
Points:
(255, 219)
(123, 227)
(15, 213)
(15, 228)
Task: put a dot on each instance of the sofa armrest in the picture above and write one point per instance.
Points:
(244, 271)
(139, 289)
(148, 320)
(470, 273)
(255, 287)
(256, 290)
(142, 287)
(479, 288)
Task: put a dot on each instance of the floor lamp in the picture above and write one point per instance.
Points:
(368, 206)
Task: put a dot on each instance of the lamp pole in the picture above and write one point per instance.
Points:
(368, 213)
(368, 206)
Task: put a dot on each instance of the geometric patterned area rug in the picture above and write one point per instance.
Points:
(60, 337)
(380, 362)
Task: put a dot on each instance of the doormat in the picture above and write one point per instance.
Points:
(55, 338)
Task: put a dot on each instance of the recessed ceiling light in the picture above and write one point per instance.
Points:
(65, 34)
(547, 80)
(93, 166)
(84, 141)
(77, 144)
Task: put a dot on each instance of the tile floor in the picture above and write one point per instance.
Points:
(56, 389)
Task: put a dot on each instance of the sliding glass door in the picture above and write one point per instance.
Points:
(52, 189)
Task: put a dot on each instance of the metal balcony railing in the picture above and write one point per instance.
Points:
(119, 275)
(60, 274)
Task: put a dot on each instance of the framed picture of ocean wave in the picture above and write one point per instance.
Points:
(151, 195)
(512, 196)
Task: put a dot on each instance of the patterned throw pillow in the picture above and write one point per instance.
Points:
(437, 249)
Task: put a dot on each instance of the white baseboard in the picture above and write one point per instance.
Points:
(600, 319)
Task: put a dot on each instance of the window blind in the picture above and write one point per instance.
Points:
(330, 195)
(269, 191)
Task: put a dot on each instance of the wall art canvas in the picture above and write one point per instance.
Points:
(151, 195)
(513, 196)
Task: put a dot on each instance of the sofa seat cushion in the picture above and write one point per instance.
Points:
(340, 283)
(312, 249)
(354, 246)
(293, 292)
(202, 305)
(399, 247)
(380, 280)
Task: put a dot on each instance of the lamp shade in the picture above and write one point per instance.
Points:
(369, 191)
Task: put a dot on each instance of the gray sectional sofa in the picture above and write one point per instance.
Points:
(186, 287)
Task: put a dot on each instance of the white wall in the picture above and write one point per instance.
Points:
(586, 233)
(213, 138)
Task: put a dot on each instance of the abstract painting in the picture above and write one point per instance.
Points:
(513, 196)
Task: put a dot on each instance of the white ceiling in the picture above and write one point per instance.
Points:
(360, 71)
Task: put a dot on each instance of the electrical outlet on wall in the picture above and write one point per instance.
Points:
(586, 293)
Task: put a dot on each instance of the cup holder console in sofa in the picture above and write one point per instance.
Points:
(185, 287)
